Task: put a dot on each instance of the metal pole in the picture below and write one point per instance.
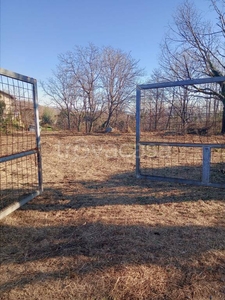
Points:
(138, 108)
(182, 83)
(38, 137)
(14, 75)
(206, 164)
(11, 208)
(17, 155)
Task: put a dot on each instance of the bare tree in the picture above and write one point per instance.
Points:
(91, 82)
(194, 48)
(156, 102)
(119, 76)
(62, 92)
(84, 67)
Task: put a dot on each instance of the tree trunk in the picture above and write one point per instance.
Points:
(68, 120)
(223, 119)
(223, 101)
(106, 123)
(90, 126)
(78, 122)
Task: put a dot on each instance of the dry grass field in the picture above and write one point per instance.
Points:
(97, 232)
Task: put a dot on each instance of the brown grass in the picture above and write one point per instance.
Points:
(97, 232)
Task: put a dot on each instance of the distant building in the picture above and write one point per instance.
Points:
(12, 108)
(9, 102)
(20, 111)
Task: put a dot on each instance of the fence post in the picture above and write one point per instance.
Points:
(206, 164)
(138, 104)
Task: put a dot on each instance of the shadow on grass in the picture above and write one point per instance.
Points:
(96, 247)
(119, 189)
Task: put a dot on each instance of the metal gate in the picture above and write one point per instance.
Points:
(20, 148)
(178, 132)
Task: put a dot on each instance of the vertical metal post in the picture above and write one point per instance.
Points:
(206, 164)
(138, 109)
(38, 136)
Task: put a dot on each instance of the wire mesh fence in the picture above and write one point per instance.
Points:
(20, 155)
(172, 161)
(179, 133)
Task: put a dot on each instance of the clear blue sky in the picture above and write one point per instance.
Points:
(34, 32)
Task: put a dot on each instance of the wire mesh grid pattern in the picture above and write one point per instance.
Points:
(18, 178)
(217, 165)
(172, 161)
(20, 165)
(178, 133)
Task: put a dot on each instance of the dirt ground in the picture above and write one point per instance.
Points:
(97, 232)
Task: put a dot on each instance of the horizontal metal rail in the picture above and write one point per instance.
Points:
(173, 144)
(181, 83)
(17, 155)
(9, 209)
(180, 180)
(17, 76)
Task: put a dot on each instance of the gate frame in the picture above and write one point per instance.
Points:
(9, 209)
(206, 148)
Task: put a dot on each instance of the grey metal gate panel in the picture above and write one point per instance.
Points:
(211, 155)
(20, 146)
